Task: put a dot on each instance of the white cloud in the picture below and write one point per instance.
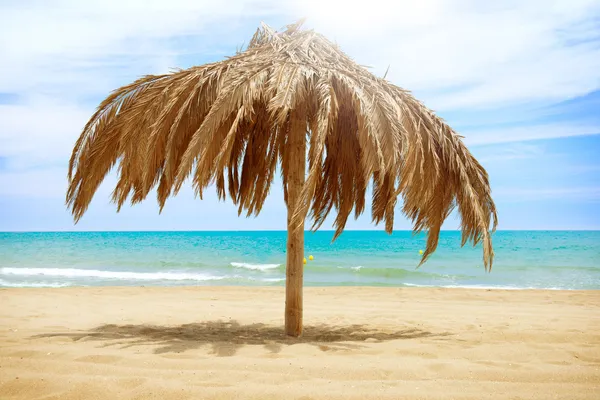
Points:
(50, 183)
(39, 132)
(591, 193)
(514, 151)
(96, 43)
(471, 54)
(62, 53)
(457, 55)
(582, 168)
(526, 133)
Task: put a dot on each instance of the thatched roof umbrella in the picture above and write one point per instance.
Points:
(288, 94)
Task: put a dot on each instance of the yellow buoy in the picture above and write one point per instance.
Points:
(311, 258)
(420, 251)
(304, 260)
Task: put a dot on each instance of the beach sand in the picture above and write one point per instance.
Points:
(359, 343)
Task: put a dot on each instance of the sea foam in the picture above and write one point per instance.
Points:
(255, 267)
(4, 283)
(118, 275)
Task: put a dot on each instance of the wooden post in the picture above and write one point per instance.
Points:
(294, 270)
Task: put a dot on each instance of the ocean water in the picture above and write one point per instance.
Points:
(536, 259)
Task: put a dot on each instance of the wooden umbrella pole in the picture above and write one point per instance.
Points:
(294, 273)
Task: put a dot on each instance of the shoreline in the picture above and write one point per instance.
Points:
(221, 342)
(282, 286)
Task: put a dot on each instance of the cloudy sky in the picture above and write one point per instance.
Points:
(519, 79)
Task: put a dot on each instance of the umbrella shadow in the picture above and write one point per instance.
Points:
(227, 337)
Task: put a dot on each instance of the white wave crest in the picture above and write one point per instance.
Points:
(4, 283)
(486, 287)
(357, 268)
(255, 267)
(118, 275)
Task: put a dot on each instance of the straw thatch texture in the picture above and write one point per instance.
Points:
(228, 123)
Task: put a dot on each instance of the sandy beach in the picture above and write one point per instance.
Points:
(359, 343)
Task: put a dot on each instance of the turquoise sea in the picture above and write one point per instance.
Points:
(536, 259)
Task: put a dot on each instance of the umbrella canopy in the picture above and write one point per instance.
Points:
(290, 96)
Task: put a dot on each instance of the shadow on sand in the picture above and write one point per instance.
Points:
(226, 338)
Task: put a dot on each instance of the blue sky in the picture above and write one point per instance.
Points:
(518, 79)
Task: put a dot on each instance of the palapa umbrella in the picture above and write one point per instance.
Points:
(233, 122)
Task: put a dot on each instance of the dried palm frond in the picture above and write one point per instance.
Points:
(228, 123)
